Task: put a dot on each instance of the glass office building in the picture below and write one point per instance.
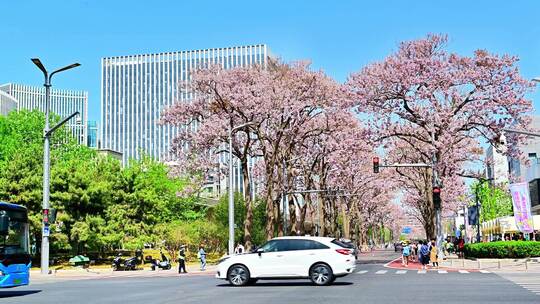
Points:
(92, 138)
(62, 103)
(136, 89)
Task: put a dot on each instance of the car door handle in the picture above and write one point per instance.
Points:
(279, 255)
(312, 254)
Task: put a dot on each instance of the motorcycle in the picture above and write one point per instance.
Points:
(164, 264)
(128, 264)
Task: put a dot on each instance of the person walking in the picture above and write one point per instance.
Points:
(424, 254)
(182, 259)
(434, 254)
(405, 254)
(202, 257)
(414, 251)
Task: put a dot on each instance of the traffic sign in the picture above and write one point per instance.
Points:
(46, 231)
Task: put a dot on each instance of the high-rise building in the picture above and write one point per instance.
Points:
(62, 103)
(7, 103)
(504, 169)
(92, 137)
(136, 89)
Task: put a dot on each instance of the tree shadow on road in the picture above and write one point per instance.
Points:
(17, 293)
(285, 284)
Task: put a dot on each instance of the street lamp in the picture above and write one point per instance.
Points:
(231, 185)
(47, 131)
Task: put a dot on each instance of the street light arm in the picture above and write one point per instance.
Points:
(38, 63)
(64, 68)
(63, 121)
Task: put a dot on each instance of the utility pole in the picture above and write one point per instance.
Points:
(47, 132)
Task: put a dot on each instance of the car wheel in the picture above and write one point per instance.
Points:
(321, 274)
(238, 275)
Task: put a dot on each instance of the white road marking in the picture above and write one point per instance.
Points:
(484, 271)
(362, 271)
(422, 271)
(442, 271)
(401, 272)
(463, 271)
(381, 272)
(528, 281)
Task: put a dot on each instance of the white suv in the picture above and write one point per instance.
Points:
(320, 259)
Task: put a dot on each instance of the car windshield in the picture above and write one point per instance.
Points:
(16, 241)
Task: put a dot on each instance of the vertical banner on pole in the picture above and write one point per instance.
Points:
(522, 206)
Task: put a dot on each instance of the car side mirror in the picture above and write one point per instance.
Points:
(4, 223)
(260, 251)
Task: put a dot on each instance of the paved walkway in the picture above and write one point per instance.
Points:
(85, 274)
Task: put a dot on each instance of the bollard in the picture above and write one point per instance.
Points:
(526, 265)
(463, 263)
(499, 264)
(479, 266)
(451, 262)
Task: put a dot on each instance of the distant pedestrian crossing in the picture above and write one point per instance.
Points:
(529, 281)
(419, 271)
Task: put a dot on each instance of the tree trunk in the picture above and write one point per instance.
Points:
(322, 216)
(346, 227)
(302, 220)
(293, 225)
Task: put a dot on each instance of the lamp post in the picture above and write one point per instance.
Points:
(47, 131)
(231, 186)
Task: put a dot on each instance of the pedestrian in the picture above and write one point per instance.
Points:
(239, 249)
(460, 247)
(414, 251)
(182, 259)
(202, 257)
(424, 254)
(434, 254)
(405, 254)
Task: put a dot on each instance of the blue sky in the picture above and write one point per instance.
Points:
(338, 36)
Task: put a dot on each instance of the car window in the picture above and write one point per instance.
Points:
(316, 245)
(342, 244)
(302, 245)
(270, 246)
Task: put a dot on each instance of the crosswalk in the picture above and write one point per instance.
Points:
(530, 282)
(420, 271)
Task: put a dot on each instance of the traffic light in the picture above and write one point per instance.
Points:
(52, 215)
(437, 197)
(375, 164)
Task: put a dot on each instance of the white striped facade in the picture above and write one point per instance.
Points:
(136, 89)
(7, 103)
(62, 103)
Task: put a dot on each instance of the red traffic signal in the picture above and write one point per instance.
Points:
(375, 164)
(437, 198)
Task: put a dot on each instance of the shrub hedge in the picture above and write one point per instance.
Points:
(503, 250)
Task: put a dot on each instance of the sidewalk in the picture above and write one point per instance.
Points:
(453, 263)
(101, 273)
(493, 265)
